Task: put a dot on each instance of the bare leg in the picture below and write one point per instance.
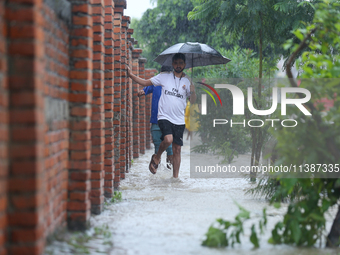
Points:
(176, 158)
(162, 147)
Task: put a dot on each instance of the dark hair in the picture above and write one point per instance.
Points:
(178, 56)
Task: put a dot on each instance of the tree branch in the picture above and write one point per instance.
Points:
(316, 115)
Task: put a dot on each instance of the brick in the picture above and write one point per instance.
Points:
(80, 75)
(80, 176)
(27, 201)
(79, 216)
(80, 145)
(26, 151)
(79, 165)
(33, 248)
(82, 8)
(81, 111)
(80, 196)
(79, 186)
(24, 219)
(27, 167)
(27, 235)
(80, 155)
(97, 200)
(82, 20)
(29, 116)
(78, 206)
(81, 53)
(25, 184)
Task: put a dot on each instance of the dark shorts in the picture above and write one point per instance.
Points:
(176, 131)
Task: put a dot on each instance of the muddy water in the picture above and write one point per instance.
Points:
(163, 215)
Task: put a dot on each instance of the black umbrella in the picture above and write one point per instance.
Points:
(196, 54)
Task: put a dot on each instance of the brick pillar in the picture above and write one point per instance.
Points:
(80, 98)
(3, 129)
(123, 123)
(108, 99)
(136, 107)
(26, 227)
(129, 100)
(142, 112)
(117, 30)
(98, 118)
(56, 104)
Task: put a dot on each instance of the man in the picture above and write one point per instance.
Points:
(176, 87)
(155, 130)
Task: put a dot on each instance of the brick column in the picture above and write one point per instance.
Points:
(136, 107)
(123, 123)
(108, 99)
(142, 112)
(26, 227)
(3, 129)
(98, 118)
(118, 15)
(129, 100)
(80, 97)
(56, 104)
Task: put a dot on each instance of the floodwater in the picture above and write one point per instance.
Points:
(163, 215)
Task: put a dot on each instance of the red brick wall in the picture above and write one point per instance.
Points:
(66, 108)
(129, 104)
(136, 104)
(98, 117)
(142, 112)
(117, 30)
(27, 180)
(3, 129)
(108, 99)
(56, 135)
(81, 57)
(124, 80)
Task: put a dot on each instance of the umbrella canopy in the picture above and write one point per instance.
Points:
(196, 54)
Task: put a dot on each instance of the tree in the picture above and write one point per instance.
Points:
(318, 140)
(264, 22)
(315, 144)
(167, 24)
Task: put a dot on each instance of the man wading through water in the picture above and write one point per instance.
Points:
(176, 87)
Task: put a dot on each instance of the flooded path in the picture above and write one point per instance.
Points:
(163, 215)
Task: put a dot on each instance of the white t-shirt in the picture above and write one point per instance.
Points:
(175, 91)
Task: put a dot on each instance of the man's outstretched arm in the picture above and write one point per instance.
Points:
(138, 80)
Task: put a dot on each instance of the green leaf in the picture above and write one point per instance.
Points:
(277, 205)
(253, 237)
(215, 238)
(296, 231)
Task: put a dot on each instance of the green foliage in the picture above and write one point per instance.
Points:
(93, 241)
(243, 64)
(317, 140)
(117, 197)
(236, 140)
(167, 24)
(249, 20)
(228, 233)
(270, 188)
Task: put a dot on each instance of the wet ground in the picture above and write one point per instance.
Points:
(163, 215)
